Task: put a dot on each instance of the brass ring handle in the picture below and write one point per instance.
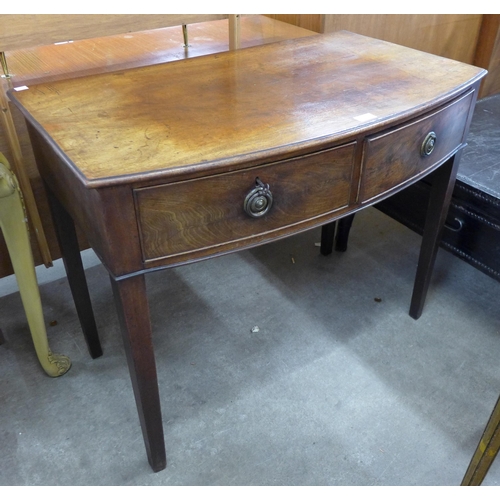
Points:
(428, 144)
(259, 200)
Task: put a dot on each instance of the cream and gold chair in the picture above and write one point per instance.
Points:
(14, 225)
(486, 450)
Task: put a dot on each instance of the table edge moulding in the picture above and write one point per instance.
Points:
(178, 162)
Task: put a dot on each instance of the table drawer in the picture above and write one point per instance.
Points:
(392, 158)
(194, 215)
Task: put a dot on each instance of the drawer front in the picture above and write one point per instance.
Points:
(193, 215)
(393, 158)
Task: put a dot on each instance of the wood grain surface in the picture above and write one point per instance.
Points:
(45, 63)
(220, 107)
(155, 164)
(395, 157)
(29, 30)
(193, 215)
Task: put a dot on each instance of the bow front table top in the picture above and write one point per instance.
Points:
(177, 162)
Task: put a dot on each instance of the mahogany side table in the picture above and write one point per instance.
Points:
(177, 162)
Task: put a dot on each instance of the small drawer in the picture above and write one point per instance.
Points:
(209, 213)
(393, 158)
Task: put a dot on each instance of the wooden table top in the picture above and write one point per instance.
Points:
(91, 56)
(248, 103)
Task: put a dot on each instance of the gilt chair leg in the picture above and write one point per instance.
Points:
(486, 450)
(13, 224)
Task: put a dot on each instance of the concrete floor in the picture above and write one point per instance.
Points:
(338, 387)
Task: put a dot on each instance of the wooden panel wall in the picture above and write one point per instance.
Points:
(488, 53)
(313, 22)
(449, 35)
(470, 38)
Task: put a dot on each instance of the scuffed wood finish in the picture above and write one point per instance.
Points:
(154, 163)
(177, 115)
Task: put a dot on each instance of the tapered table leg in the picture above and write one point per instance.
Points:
(133, 311)
(342, 236)
(486, 450)
(336, 232)
(15, 231)
(327, 237)
(439, 201)
(70, 250)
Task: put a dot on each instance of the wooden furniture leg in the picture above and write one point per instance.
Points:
(340, 237)
(440, 196)
(486, 451)
(14, 226)
(70, 251)
(442, 188)
(133, 312)
(327, 237)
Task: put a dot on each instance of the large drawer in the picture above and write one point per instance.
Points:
(392, 158)
(208, 212)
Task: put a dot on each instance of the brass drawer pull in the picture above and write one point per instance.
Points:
(259, 200)
(428, 144)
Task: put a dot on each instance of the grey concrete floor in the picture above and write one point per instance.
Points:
(338, 387)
